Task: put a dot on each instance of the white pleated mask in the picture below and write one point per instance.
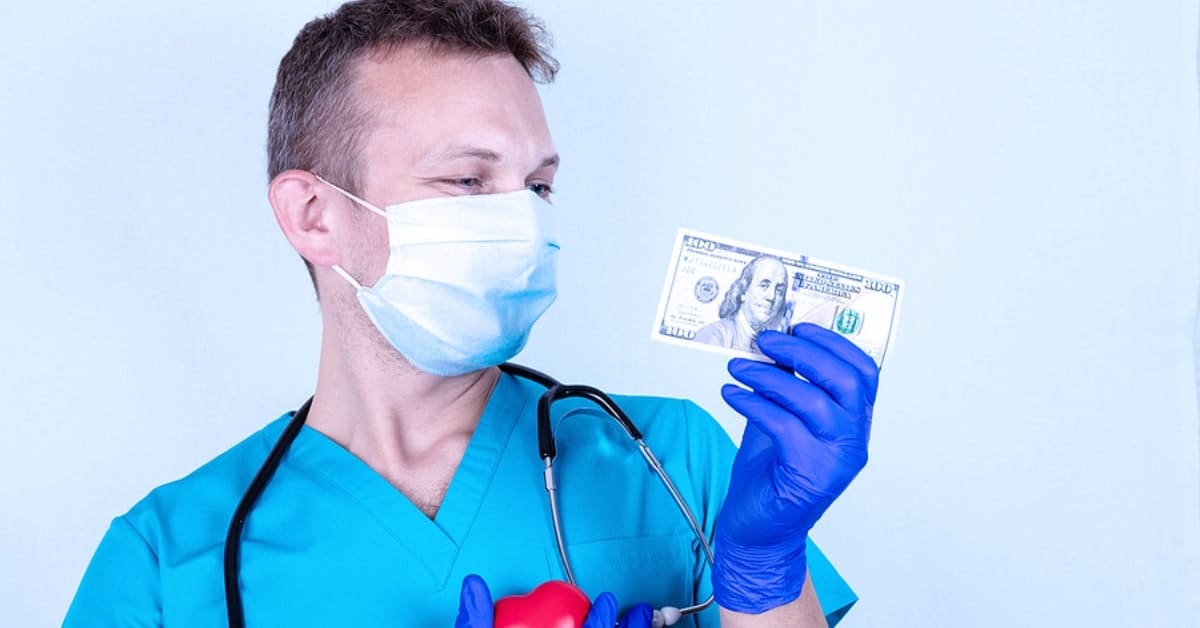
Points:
(466, 278)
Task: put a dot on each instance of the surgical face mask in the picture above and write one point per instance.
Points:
(466, 278)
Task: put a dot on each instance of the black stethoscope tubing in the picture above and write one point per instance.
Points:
(233, 538)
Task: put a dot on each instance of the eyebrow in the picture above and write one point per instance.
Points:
(460, 151)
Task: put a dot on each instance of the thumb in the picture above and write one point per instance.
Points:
(474, 604)
(603, 613)
(640, 616)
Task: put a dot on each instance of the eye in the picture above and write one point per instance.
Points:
(468, 183)
(543, 190)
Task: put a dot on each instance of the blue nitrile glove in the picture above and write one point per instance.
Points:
(604, 614)
(475, 609)
(804, 442)
(474, 604)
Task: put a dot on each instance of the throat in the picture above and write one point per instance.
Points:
(411, 429)
(425, 487)
(422, 475)
(428, 501)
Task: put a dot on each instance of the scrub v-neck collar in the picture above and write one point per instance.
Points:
(433, 543)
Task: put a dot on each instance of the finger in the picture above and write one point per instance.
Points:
(474, 604)
(640, 616)
(842, 380)
(603, 613)
(753, 440)
(788, 433)
(821, 414)
(840, 346)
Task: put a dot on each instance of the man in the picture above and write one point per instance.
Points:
(755, 302)
(410, 166)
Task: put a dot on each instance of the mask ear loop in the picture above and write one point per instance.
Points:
(352, 197)
(337, 267)
(345, 275)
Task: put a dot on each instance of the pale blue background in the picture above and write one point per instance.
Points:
(1030, 168)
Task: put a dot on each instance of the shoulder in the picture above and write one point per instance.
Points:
(682, 435)
(685, 437)
(194, 510)
(172, 526)
(671, 420)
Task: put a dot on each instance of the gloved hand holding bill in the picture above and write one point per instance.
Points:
(826, 328)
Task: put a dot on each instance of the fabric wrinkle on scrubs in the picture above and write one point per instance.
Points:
(331, 542)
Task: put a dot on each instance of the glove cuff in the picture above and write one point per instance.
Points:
(756, 580)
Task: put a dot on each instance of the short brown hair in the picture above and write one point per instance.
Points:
(314, 122)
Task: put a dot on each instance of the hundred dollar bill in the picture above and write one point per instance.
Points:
(720, 293)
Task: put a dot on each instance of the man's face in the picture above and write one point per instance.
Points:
(444, 125)
(764, 298)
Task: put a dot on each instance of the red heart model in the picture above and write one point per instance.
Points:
(554, 604)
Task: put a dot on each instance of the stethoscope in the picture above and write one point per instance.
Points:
(665, 616)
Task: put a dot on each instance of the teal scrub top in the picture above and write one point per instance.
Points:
(332, 543)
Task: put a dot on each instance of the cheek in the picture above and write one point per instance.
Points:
(376, 250)
(369, 249)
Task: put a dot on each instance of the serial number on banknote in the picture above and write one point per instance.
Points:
(721, 293)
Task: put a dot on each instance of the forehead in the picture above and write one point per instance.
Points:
(420, 101)
(769, 268)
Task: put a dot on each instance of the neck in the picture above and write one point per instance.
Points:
(396, 418)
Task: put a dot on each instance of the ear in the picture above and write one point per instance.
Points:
(304, 208)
